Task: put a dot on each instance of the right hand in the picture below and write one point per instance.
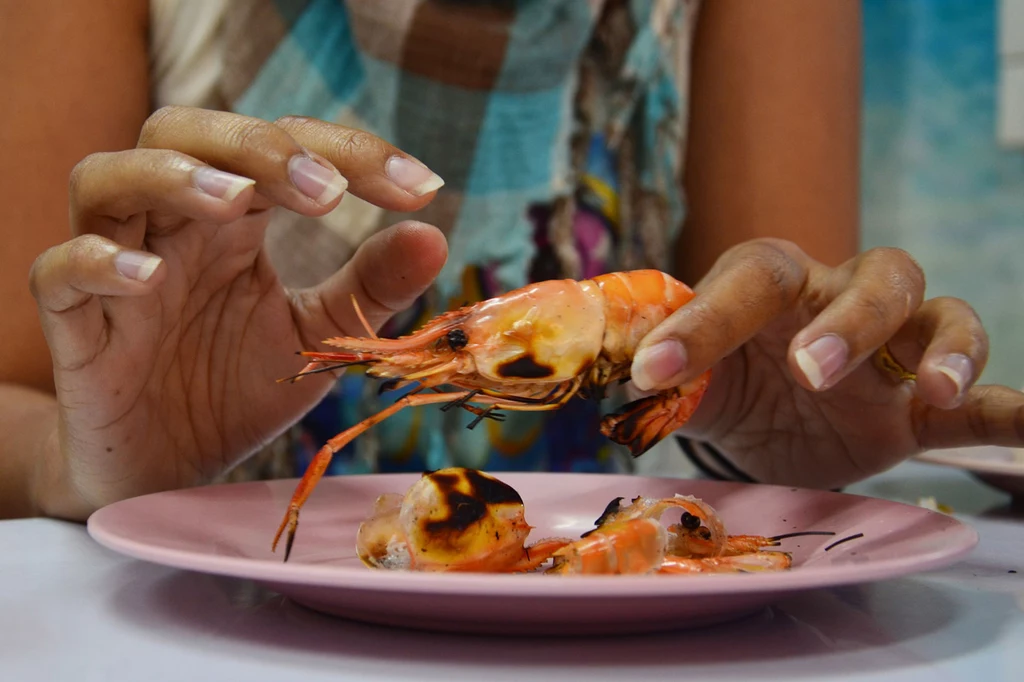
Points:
(167, 325)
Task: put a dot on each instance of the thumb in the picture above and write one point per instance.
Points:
(387, 274)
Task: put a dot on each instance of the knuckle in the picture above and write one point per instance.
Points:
(80, 175)
(294, 122)
(256, 138)
(157, 121)
(80, 252)
(360, 143)
(958, 307)
(880, 310)
(962, 316)
(906, 272)
(63, 263)
(776, 266)
(37, 272)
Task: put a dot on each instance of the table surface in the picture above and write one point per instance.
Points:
(72, 610)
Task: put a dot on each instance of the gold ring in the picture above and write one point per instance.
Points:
(885, 361)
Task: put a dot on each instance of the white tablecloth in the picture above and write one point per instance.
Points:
(71, 610)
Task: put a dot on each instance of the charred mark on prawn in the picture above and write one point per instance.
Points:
(525, 367)
(465, 509)
(493, 491)
(488, 490)
(611, 508)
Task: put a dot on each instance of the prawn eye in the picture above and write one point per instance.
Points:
(457, 339)
(689, 521)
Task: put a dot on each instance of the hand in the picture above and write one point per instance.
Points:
(795, 397)
(167, 325)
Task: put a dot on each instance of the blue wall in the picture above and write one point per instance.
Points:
(935, 181)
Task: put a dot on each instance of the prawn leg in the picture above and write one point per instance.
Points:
(323, 457)
(642, 423)
(537, 553)
(754, 562)
(684, 543)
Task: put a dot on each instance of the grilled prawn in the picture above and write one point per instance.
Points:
(630, 539)
(531, 349)
(453, 519)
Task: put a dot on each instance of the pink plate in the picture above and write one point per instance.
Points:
(227, 530)
(1001, 468)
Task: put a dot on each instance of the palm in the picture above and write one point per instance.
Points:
(184, 384)
(778, 431)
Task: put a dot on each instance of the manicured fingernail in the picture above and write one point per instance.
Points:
(821, 359)
(958, 368)
(321, 184)
(135, 265)
(219, 184)
(412, 176)
(656, 365)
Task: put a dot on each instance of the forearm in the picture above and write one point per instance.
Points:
(774, 130)
(28, 436)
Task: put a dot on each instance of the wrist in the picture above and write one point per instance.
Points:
(53, 491)
(29, 450)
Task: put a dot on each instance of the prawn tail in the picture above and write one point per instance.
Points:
(639, 425)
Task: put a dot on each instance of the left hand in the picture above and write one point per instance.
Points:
(795, 396)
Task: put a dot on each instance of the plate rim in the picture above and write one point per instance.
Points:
(266, 571)
(965, 463)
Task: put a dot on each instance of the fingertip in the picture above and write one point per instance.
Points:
(820, 363)
(399, 263)
(944, 381)
(137, 265)
(420, 244)
(318, 183)
(412, 176)
(659, 365)
(226, 187)
(66, 275)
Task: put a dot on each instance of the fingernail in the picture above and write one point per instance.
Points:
(821, 359)
(321, 184)
(958, 368)
(658, 364)
(135, 265)
(219, 184)
(412, 176)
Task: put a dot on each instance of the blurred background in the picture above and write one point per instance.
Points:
(944, 153)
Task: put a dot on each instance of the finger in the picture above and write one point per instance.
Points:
(67, 281)
(115, 186)
(377, 171)
(387, 274)
(749, 287)
(284, 172)
(956, 350)
(871, 298)
(989, 415)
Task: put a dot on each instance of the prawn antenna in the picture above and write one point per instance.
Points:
(319, 370)
(362, 318)
(776, 538)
